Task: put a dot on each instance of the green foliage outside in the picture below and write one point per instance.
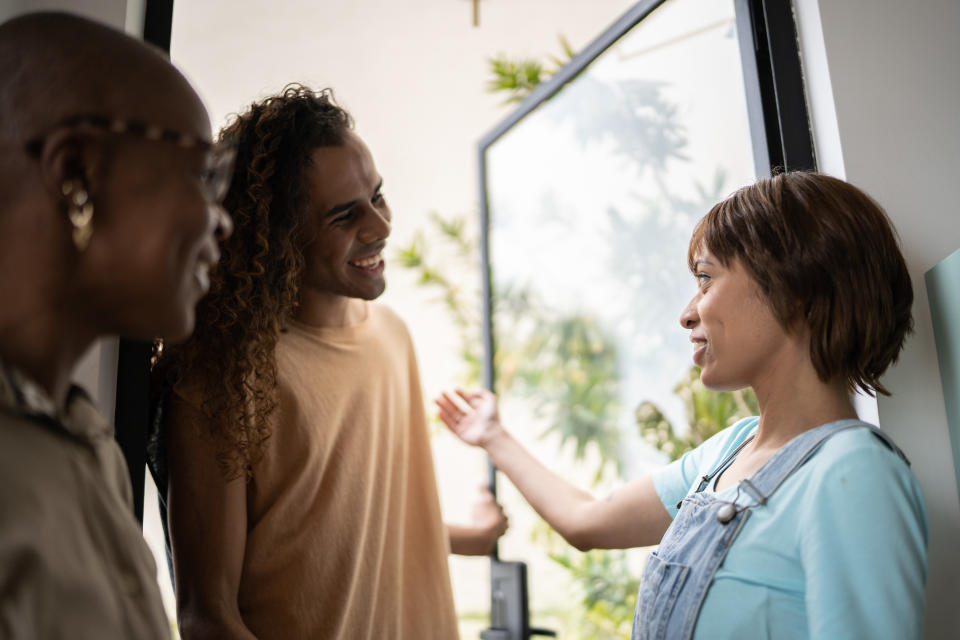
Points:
(707, 413)
(566, 366)
(518, 77)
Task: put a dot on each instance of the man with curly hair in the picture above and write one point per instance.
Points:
(301, 494)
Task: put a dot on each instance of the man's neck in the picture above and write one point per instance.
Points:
(330, 311)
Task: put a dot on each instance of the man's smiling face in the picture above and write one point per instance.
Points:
(349, 223)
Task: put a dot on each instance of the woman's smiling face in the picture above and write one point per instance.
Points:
(735, 334)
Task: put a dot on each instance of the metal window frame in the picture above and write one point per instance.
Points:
(776, 105)
(780, 135)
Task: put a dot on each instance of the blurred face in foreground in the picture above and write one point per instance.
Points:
(158, 238)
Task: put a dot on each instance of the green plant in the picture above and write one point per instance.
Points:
(708, 412)
(569, 370)
(610, 591)
(459, 247)
(518, 77)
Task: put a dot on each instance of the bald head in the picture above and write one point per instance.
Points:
(150, 218)
(54, 65)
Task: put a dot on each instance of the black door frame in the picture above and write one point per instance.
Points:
(132, 408)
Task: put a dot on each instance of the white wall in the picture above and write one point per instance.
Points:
(884, 91)
(112, 12)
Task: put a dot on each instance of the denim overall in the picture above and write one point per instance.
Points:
(677, 575)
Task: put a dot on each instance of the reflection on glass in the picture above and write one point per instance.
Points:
(592, 199)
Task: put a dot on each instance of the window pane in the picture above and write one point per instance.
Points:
(592, 199)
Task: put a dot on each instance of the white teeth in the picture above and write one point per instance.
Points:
(368, 263)
(202, 275)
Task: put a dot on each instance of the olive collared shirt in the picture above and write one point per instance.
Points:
(73, 561)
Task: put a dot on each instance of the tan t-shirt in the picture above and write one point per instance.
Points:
(345, 537)
(73, 562)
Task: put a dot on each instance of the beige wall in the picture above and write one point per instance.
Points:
(885, 94)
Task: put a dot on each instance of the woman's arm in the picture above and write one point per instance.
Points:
(632, 516)
(208, 531)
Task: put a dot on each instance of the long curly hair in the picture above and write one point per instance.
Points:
(228, 364)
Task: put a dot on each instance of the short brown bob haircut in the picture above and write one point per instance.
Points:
(826, 257)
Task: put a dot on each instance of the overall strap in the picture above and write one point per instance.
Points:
(795, 453)
(722, 466)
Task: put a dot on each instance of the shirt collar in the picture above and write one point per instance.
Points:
(20, 394)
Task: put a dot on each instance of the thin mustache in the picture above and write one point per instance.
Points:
(371, 251)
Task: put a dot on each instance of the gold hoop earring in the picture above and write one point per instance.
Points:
(80, 212)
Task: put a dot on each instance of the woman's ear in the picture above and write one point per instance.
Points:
(69, 156)
(68, 164)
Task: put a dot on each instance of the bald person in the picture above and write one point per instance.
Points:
(109, 217)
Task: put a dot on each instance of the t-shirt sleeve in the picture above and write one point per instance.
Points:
(863, 545)
(675, 480)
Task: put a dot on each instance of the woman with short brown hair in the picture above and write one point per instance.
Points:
(801, 522)
(826, 258)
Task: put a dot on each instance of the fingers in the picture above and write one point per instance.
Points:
(503, 522)
(488, 510)
(472, 415)
(459, 404)
(485, 496)
(472, 396)
(449, 412)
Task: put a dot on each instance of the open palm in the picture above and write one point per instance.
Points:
(472, 415)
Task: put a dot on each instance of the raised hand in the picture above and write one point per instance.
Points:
(471, 415)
